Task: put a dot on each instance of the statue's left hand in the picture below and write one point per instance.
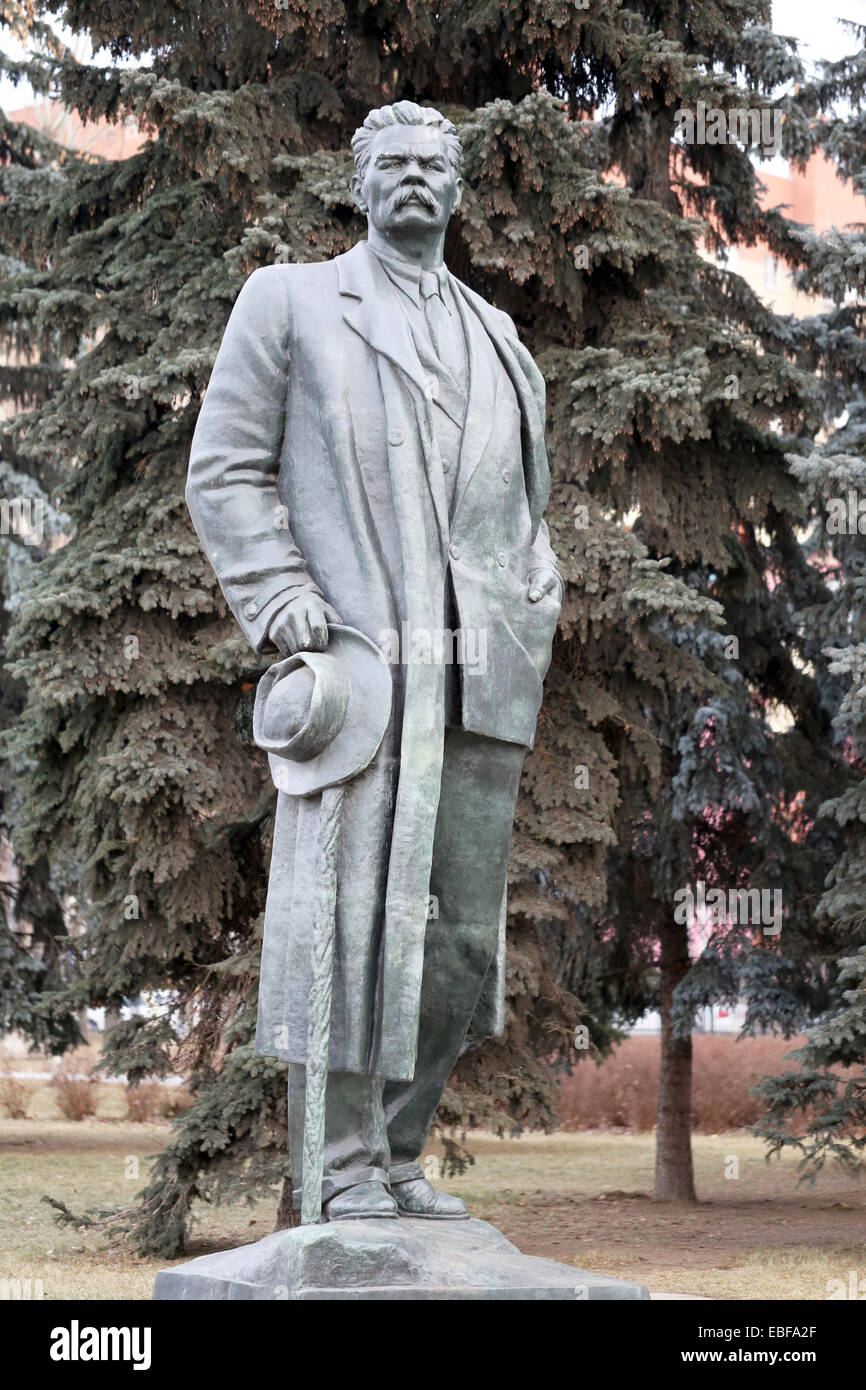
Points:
(544, 582)
(302, 626)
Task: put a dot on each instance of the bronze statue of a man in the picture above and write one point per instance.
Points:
(370, 454)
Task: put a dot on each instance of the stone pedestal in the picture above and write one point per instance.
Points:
(400, 1258)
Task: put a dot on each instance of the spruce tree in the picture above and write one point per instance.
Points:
(35, 969)
(684, 404)
(819, 1109)
(672, 513)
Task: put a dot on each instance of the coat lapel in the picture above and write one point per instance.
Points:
(362, 278)
(529, 385)
(479, 419)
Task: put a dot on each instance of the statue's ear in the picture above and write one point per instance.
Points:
(458, 195)
(356, 188)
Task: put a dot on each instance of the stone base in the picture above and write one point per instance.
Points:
(400, 1258)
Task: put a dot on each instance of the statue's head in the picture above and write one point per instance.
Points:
(407, 168)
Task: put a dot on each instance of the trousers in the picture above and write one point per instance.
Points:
(375, 1130)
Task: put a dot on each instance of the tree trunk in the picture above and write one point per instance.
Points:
(286, 1217)
(675, 1178)
(649, 171)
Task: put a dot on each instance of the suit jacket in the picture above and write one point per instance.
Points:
(315, 468)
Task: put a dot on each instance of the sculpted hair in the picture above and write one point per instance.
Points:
(404, 113)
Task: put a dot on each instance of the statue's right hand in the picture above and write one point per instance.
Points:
(302, 626)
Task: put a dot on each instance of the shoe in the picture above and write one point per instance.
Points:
(363, 1202)
(418, 1198)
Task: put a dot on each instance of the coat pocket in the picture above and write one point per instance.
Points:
(534, 626)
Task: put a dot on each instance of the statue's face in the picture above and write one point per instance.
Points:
(409, 182)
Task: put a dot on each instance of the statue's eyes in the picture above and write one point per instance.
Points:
(396, 161)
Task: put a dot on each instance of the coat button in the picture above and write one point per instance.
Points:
(445, 465)
(454, 552)
(395, 437)
(502, 559)
(431, 390)
(506, 476)
(251, 610)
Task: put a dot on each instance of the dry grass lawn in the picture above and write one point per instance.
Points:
(574, 1197)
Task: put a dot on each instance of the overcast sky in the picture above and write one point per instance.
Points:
(812, 22)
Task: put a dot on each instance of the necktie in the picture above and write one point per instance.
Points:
(444, 332)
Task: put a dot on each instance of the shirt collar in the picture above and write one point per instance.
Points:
(406, 275)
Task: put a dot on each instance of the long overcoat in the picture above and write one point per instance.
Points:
(315, 468)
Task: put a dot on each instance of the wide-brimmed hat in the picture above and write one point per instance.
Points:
(321, 732)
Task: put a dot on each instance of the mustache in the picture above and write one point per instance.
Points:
(407, 195)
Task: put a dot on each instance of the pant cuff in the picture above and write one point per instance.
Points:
(332, 1183)
(405, 1172)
